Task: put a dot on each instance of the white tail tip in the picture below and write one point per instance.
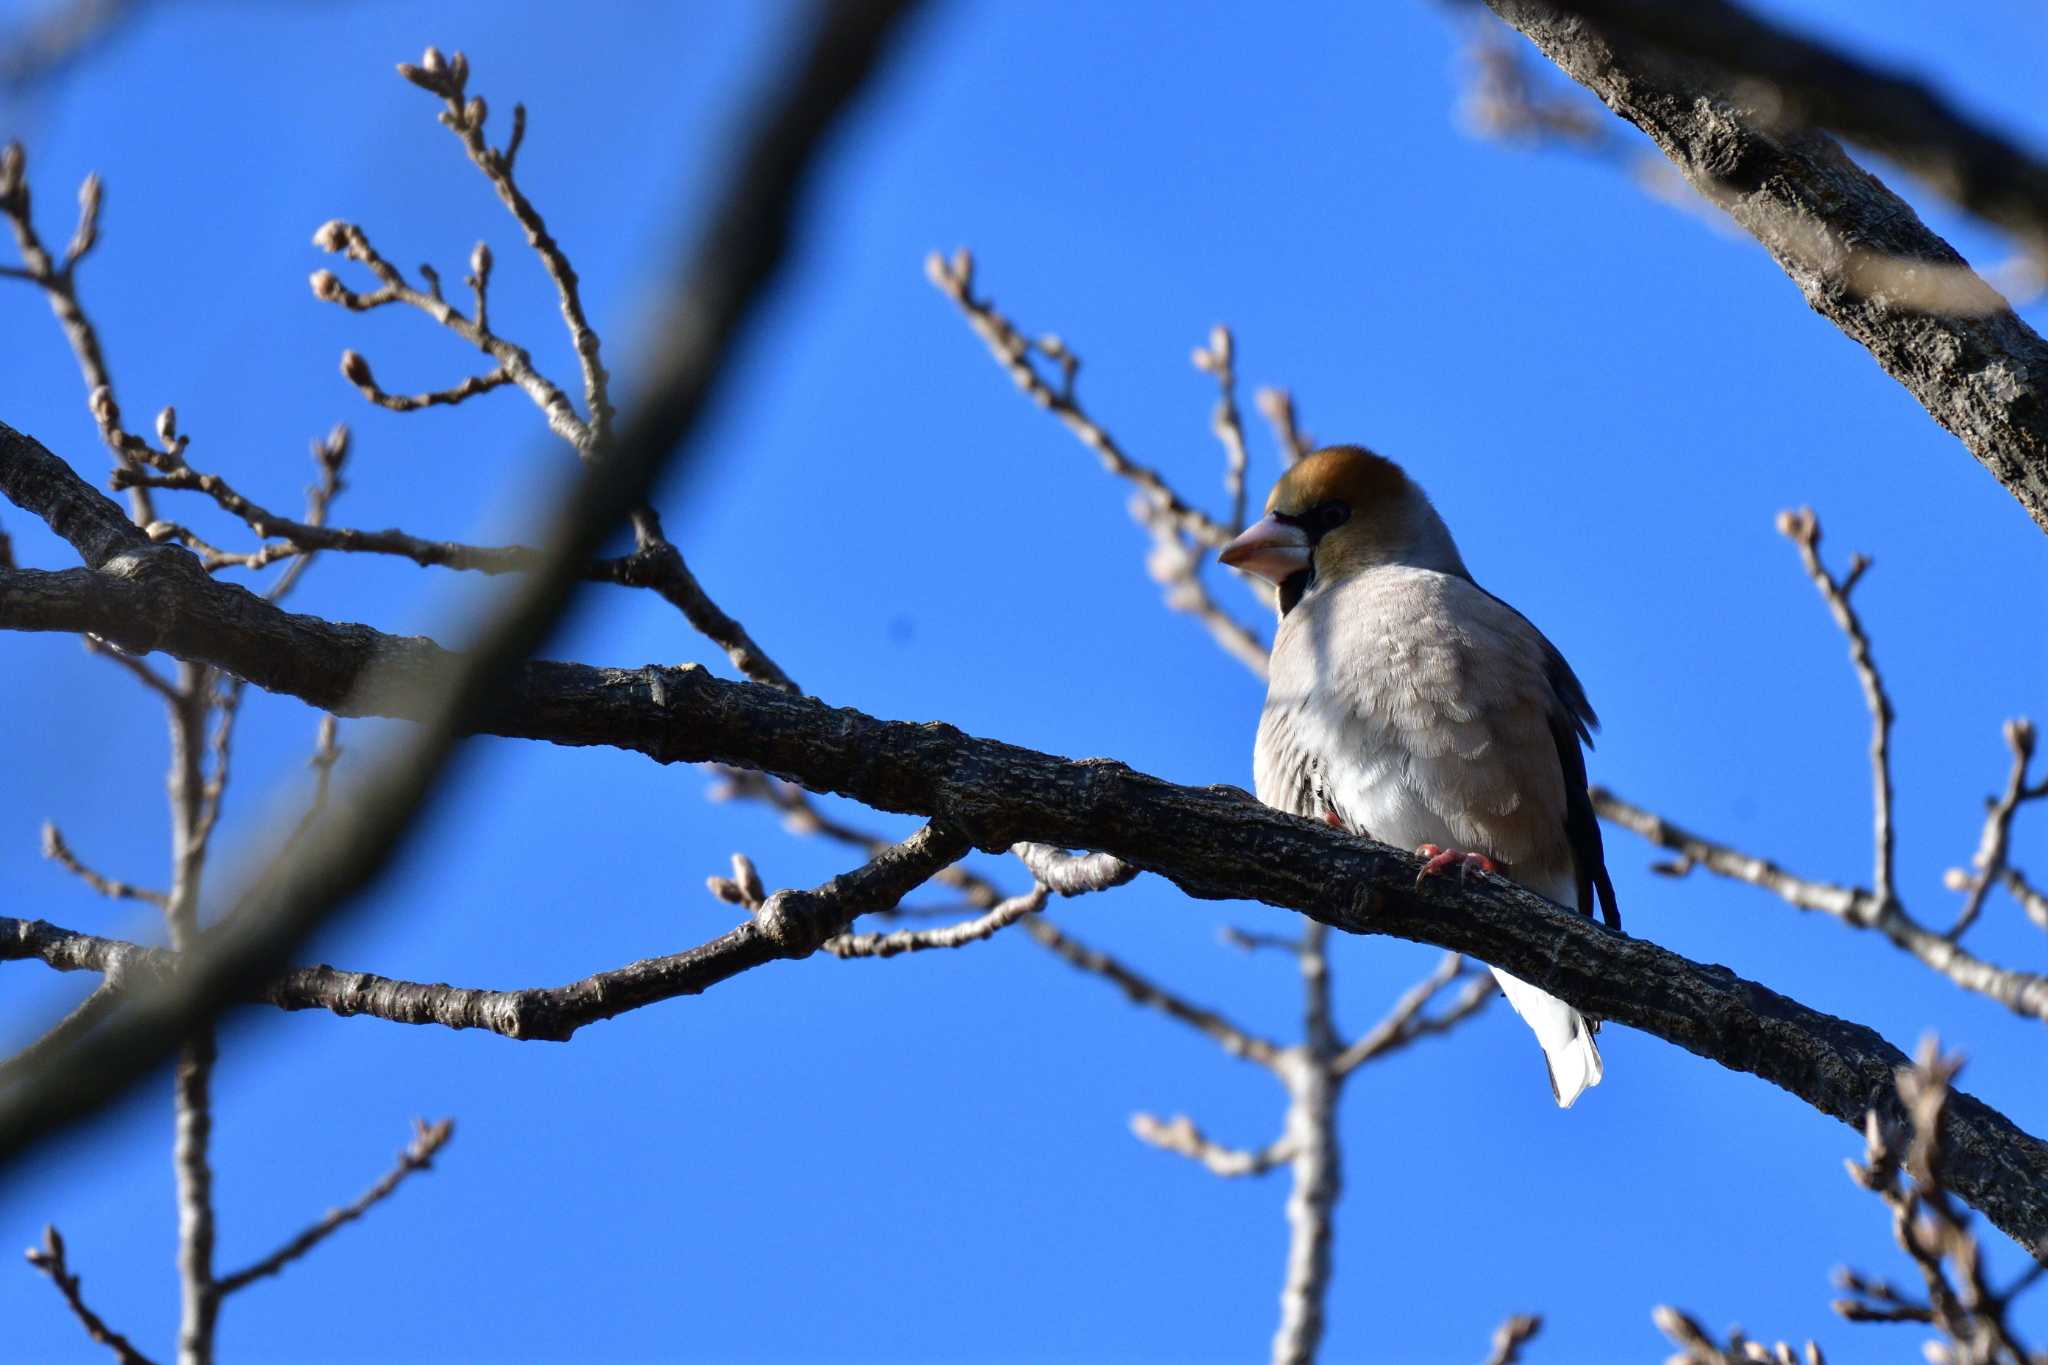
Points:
(1575, 1067)
(1566, 1037)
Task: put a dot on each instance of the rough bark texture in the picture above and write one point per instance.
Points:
(1892, 114)
(1851, 245)
(750, 222)
(1214, 842)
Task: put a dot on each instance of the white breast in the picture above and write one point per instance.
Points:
(1414, 706)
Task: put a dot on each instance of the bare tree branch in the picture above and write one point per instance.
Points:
(59, 852)
(82, 1019)
(1406, 1022)
(1277, 407)
(743, 247)
(1802, 528)
(950, 936)
(1900, 118)
(1511, 1336)
(1211, 843)
(49, 1258)
(1236, 1041)
(1219, 358)
(1014, 352)
(427, 1140)
(1179, 1135)
(1696, 1346)
(2023, 993)
(59, 283)
(1996, 840)
(1842, 237)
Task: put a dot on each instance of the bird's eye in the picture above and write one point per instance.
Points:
(1325, 517)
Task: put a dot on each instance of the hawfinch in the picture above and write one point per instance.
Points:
(1410, 705)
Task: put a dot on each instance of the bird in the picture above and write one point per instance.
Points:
(1407, 704)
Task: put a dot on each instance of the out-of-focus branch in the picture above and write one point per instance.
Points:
(744, 246)
(427, 1140)
(1934, 1233)
(2034, 902)
(1219, 358)
(1511, 1336)
(55, 37)
(1176, 565)
(656, 563)
(59, 852)
(82, 1019)
(1213, 843)
(1141, 990)
(1277, 407)
(1179, 1135)
(49, 1258)
(1858, 253)
(1406, 1022)
(1996, 840)
(1800, 81)
(1696, 1345)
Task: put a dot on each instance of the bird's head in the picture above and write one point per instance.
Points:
(1338, 512)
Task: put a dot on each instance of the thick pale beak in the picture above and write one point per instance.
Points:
(1271, 549)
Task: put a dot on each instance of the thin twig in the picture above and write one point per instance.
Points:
(1219, 358)
(59, 284)
(1511, 1336)
(464, 115)
(749, 227)
(1175, 564)
(142, 672)
(49, 1258)
(82, 1018)
(1179, 1135)
(1236, 1041)
(427, 1139)
(1013, 351)
(58, 851)
(1277, 407)
(951, 936)
(1802, 528)
(2032, 900)
(1996, 839)
(1406, 1022)
(2021, 992)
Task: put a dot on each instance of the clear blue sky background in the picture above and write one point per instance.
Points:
(927, 1158)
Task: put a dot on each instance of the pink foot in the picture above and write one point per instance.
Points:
(1442, 859)
(1330, 819)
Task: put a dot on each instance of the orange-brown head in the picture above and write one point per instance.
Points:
(1338, 512)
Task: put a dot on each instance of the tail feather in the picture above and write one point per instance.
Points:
(1566, 1037)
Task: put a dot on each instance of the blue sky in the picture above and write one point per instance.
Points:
(1608, 397)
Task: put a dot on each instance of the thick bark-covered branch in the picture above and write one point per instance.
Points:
(733, 262)
(1858, 252)
(1212, 842)
(1892, 114)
